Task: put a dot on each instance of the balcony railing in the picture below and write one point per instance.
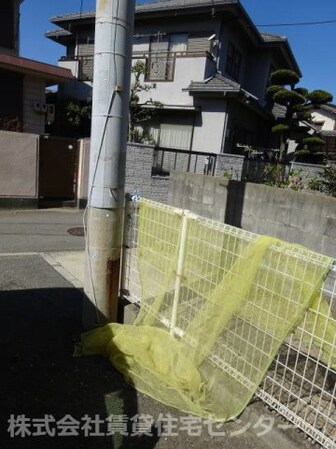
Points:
(159, 66)
(167, 159)
(85, 66)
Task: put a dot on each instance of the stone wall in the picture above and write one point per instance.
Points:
(298, 217)
(307, 171)
(230, 165)
(139, 162)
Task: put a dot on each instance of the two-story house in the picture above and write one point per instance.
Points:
(324, 120)
(23, 81)
(209, 62)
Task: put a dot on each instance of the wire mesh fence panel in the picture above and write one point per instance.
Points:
(300, 383)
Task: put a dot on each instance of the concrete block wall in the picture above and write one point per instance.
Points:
(230, 164)
(139, 162)
(203, 195)
(298, 217)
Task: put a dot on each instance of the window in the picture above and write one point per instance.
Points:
(161, 63)
(175, 135)
(172, 133)
(233, 62)
(178, 42)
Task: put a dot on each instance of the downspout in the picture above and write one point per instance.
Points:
(226, 119)
(191, 142)
(219, 46)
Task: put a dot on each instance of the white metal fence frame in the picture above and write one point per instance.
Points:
(298, 385)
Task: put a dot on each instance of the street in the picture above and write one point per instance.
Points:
(24, 231)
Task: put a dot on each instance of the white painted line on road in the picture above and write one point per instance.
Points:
(20, 254)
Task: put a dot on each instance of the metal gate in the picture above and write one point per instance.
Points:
(57, 168)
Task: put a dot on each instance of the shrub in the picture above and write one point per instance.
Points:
(11, 124)
(302, 91)
(281, 128)
(272, 90)
(288, 96)
(313, 141)
(318, 97)
(325, 181)
(284, 77)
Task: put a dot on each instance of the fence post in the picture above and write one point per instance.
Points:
(179, 270)
(125, 246)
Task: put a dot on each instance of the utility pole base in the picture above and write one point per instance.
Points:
(104, 234)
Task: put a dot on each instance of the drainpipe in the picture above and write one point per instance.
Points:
(225, 125)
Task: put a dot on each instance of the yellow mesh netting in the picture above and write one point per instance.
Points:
(217, 303)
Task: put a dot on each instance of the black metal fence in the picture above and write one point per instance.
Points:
(167, 159)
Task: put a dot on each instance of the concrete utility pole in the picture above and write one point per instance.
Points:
(111, 89)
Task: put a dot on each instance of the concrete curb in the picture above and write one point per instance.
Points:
(57, 265)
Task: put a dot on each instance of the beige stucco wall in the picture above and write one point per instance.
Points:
(209, 125)
(18, 165)
(33, 90)
(323, 116)
(170, 92)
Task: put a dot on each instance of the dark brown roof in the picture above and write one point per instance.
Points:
(57, 33)
(153, 6)
(270, 37)
(51, 73)
(331, 108)
(180, 4)
(173, 7)
(330, 133)
(217, 83)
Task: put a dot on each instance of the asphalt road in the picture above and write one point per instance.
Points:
(40, 230)
(40, 320)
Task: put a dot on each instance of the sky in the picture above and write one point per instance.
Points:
(314, 46)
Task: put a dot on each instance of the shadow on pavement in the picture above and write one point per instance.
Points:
(40, 377)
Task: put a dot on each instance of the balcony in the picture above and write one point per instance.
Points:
(159, 66)
(80, 66)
